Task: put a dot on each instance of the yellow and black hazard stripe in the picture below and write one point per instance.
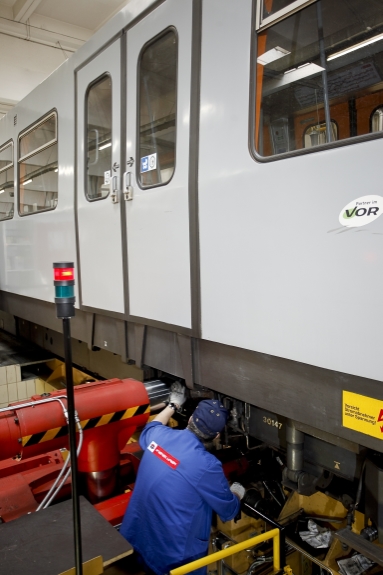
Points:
(50, 434)
(113, 417)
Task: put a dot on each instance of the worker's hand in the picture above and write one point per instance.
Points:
(238, 490)
(177, 394)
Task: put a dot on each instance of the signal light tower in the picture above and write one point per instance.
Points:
(64, 289)
(65, 300)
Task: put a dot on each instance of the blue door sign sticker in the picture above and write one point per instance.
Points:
(144, 164)
(149, 163)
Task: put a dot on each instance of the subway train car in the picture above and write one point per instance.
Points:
(212, 168)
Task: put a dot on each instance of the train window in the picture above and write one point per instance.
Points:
(7, 184)
(320, 65)
(99, 139)
(38, 167)
(157, 110)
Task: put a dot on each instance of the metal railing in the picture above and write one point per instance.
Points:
(273, 534)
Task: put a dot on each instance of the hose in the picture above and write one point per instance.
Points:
(259, 561)
(52, 491)
(34, 403)
(50, 496)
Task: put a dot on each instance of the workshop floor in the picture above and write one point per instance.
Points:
(125, 566)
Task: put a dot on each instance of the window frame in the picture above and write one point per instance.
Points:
(296, 6)
(30, 128)
(9, 142)
(90, 86)
(301, 5)
(2, 148)
(33, 127)
(170, 28)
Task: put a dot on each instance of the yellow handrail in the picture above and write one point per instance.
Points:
(273, 534)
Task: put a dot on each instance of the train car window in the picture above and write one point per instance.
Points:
(157, 110)
(7, 183)
(98, 139)
(45, 133)
(38, 167)
(322, 64)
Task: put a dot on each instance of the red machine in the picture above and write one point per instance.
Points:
(34, 441)
(32, 434)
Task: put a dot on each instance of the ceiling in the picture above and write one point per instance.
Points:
(36, 36)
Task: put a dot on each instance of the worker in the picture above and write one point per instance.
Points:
(179, 484)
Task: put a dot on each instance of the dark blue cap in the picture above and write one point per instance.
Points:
(210, 416)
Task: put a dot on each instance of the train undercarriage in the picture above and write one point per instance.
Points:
(321, 491)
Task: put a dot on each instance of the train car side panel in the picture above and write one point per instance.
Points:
(279, 274)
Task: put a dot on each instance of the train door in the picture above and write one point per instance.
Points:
(156, 178)
(98, 181)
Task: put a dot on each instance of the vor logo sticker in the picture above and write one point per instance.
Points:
(361, 211)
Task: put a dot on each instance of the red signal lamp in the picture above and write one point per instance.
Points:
(63, 273)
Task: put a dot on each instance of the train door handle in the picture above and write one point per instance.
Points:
(114, 193)
(128, 188)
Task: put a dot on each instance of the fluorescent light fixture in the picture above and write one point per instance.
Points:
(355, 47)
(272, 55)
(290, 76)
(105, 146)
(27, 182)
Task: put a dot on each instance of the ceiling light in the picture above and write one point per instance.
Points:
(105, 146)
(1, 191)
(290, 76)
(56, 170)
(272, 55)
(355, 47)
(27, 182)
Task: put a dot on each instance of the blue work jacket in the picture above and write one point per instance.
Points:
(179, 484)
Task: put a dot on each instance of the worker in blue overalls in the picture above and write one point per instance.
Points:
(179, 484)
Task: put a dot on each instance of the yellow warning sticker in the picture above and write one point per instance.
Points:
(362, 413)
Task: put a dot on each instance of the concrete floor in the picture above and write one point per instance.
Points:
(125, 566)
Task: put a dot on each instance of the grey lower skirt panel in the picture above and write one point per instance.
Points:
(307, 394)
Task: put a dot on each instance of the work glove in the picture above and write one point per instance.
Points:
(177, 394)
(238, 490)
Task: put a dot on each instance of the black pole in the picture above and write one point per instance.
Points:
(72, 445)
(65, 300)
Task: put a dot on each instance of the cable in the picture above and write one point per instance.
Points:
(34, 403)
(59, 487)
(272, 494)
(35, 42)
(44, 503)
(44, 29)
(41, 506)
(259, 561)
(52, 494)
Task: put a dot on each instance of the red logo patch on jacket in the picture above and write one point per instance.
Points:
(163, 455)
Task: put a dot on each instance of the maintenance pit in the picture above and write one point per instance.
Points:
(319, 530)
